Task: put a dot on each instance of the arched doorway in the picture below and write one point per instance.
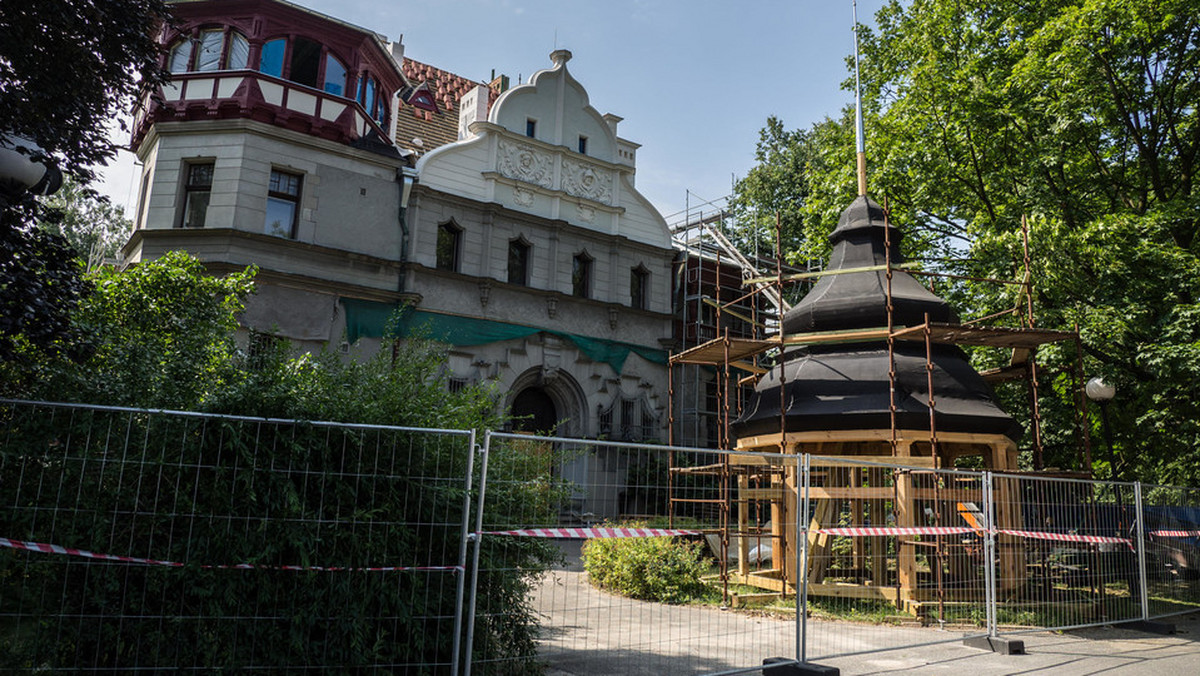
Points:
(533, 410)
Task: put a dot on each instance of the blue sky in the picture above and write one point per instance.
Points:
(695, 80)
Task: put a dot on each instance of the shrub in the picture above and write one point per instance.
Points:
(649, 569)
(232, 490)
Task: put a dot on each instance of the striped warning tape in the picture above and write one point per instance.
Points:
(897, 530)
(1175, 533)
(590, 533)
(56, 549)
(1066, 537)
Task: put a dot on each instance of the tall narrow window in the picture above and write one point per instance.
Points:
(639, 283)
(209, 56)
(271, 61)
(335, 76)
(366, 93)
(531, 128)
(449, 241)
(143, 195)
(518, 262)
(197, 189)
(305, 62)
(583, 145)
(381, 115)
(283, 201)
(581, 276)
(239, 52)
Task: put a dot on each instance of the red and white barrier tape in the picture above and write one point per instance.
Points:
(897, 530)
(1175, 533)
(56, 549)
(1066, 537)
(590, 533)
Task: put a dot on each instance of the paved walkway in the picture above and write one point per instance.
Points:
(593, 633)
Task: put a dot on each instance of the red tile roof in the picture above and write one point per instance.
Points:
(434, 129)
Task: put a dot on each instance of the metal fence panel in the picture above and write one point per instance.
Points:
(150, 541)
(1067, 553)
(1172, 540)
(895, 557)
(583, 520)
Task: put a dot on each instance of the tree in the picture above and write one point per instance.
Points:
(1080, 115)
(93, 227)
(231, 490)
(67, 69)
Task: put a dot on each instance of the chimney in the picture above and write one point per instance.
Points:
(471, 108)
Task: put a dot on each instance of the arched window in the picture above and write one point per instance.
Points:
(335, 76)
(209, 55)
(271, 61)
(239, 52)
(449, 244)
(210, 49)
(181, 56)
(518, 262)
(305, 62)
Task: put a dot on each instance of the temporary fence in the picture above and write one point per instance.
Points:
(152, 541)
(635, 581)
(137, 540)
(892, 550)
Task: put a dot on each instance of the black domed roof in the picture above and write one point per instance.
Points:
(858, 300)
(846, 386)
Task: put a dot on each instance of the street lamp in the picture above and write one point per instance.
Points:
(20, 172)
(1101, 392)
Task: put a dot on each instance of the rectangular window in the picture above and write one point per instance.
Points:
(581, 276)
(639, 281)
(283, 202)
(197, 189)
(583, 145)
(448, 242)
(531, 128)
(518, 262)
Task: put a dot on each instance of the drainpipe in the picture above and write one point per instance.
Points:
(406, 177)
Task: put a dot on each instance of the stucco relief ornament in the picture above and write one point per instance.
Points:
(586, 180)
(586, 213)
(523, 163)
(523, 196)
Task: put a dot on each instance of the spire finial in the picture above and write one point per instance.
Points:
(858, 116)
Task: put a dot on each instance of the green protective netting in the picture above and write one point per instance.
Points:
(370, 319)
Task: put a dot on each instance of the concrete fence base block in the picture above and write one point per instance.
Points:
(1149, 626)
(782, 666)
(996, 644)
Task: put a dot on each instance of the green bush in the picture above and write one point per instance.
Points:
(649, 569)
(222, 490)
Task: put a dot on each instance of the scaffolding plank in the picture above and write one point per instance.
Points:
(713, 352)
(988, 336)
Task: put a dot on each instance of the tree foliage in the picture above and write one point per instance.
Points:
(1081, 116)
(93, 227)
(218, 491)
(69, 68)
